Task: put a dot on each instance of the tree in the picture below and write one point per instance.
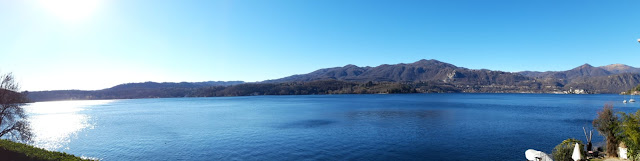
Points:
(608, 125)
(564, 150)
(631, 134)
(13, 124)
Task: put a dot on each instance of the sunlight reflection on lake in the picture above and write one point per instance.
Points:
(55, 123)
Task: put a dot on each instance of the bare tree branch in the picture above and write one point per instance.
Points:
(12, 116)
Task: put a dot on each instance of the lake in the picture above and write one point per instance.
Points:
(318, 127)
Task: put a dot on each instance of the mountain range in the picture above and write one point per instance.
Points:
(420, 71)
(129, 91)
(423, 76)
(613, 78)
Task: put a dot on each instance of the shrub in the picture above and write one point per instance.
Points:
(631, 134)
(564, 150)
(608, 125)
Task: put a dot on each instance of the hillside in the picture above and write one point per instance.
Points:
(424, 76)
(620, 68)
(420, 71)
(607, 84)
(583, 71)
(10, 150)
(129, 91)
(614, 78)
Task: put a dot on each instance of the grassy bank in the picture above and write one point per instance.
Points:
(17, 151)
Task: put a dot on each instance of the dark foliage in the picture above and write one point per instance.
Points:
(608, 125)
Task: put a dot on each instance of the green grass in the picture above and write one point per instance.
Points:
(17, 151)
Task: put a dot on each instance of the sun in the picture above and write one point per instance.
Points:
(71, 10)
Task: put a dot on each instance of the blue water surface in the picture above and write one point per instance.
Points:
(337, 127)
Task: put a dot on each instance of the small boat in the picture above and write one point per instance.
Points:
(624, 101)
(632, 100)
(534, 155)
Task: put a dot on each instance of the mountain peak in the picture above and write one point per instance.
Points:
(616, 66)
(350, 66)
(620, 68)
(585, 65)
(422, 61)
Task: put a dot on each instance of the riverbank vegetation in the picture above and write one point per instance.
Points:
(608, 125)
(17, 151)
(619, 129)
(564, 150)
(14, 126)
(633, 91)
(630, 134)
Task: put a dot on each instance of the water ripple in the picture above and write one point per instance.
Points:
(308, 124)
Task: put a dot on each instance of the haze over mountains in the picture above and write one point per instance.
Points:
(423, 76)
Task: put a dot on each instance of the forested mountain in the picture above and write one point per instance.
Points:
(129, 91)
(152, 85)
(583, 71)
(607, 84)
(424, 76)
(420, 71)
(614, 78)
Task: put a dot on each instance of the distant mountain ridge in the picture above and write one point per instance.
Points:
(612, 78)
(130, 91)
(423, 76)
(616, 83)
(585, 70)
(620, 68)
(150, 85)
(420, 71)
(567, 76)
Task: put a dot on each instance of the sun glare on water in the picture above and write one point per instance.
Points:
(71, 10)
(55, 123)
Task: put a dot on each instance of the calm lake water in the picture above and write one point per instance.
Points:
(318, 127)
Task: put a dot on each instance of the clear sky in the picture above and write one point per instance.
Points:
(95, 44)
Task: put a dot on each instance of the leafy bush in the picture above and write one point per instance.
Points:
(631, 134)
(564, 150)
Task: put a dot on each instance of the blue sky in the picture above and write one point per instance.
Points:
(95, 44)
